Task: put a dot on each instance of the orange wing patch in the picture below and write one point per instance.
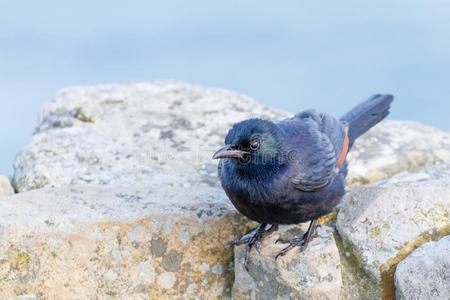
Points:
(344, 151)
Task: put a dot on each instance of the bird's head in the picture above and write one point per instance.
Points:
(252, 142)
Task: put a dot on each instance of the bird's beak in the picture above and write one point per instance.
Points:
(228, 152)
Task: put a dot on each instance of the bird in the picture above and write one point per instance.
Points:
(291, 171)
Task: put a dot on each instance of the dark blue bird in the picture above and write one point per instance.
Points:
(293, 170)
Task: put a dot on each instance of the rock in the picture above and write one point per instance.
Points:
(162, 132)
(393, 147)
(5, 187)
(425, 274)
(314, 274)
(382, 223)
(108, 163)
(166, 131)
(356, 283)
(86, 242)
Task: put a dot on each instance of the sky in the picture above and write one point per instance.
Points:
(292, 55)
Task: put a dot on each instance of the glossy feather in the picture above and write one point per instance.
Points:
(294, 176)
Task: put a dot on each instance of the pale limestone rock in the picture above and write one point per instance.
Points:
(5, 187)
(313, 274)
(395, 146)
(162, 132)
(85, 242)
(152, 141)
(166, 131)
(425, 273)
(382, 223)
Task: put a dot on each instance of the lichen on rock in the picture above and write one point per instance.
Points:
(145, 132)
(383, 223)
(85, 241)
(392, 147)
(425, 273)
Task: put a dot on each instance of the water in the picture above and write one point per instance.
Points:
(291, 54)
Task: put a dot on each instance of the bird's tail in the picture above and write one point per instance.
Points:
(366, 115)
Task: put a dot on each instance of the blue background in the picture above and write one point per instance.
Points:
(292, 55)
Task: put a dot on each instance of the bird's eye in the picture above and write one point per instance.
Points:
(254, 144)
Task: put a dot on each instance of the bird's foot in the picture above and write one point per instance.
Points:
(303, 242)
(253, 239)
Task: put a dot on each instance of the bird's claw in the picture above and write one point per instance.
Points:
(243, 240)
(292, 243)
(253, 240)
(302, 242)
(282, 241)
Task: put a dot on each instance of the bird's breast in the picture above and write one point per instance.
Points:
(275, 199)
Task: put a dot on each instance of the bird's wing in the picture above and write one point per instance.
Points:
(327, 148)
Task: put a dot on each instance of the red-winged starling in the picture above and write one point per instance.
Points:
(293, 170)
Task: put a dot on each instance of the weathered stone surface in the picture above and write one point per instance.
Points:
(425, 273)
(141, 152)
(313, 274)
(5, 187)
(382, 223)
(356, 282)
(160, 132)
(91, 242)
(396, 146)
(166, 131)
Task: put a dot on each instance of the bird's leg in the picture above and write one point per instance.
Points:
(253, 239)
(302, 242)
(257, 234)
